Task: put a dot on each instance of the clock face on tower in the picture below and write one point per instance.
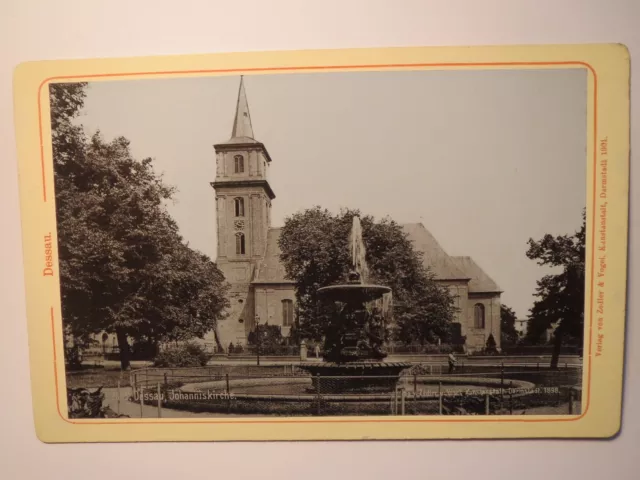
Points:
(239, 224)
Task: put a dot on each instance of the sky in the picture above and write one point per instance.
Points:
(485, 159)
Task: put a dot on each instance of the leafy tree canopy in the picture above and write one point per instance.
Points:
(316, 253)
(508, 330)
(560, 302)
(124, 267)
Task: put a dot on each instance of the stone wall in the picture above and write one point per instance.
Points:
(459, 290)
(268, 303)
(254, 224)
(477, 337)
(256, 165)
(233, 328)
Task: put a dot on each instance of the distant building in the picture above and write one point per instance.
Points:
(521, 326)
(249, 256)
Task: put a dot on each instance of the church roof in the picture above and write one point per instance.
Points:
(270, 270)
(434, 256)
(480, 281)
(242, 132)
(443, 266)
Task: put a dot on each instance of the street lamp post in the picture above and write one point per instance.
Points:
(258, 339)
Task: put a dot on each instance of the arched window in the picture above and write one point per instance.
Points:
(287, 313)
(478, 315)
(239, 206)
(239, 243)
(238, 163)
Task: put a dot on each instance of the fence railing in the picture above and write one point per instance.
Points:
(424, 349)
(149, 375)
(287, 390)
(539, 350)
(294, 350)
(272, 350)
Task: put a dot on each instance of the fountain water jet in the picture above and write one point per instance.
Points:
(358, 251)
(354, 335)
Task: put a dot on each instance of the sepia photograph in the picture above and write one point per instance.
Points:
(260, 239)
(385, 243)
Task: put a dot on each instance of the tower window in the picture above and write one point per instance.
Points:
(287, 313)
(478, 315)
(238, 162)
(240, 244)
(239, 206)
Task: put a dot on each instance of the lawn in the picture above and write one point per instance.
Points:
(93, 377)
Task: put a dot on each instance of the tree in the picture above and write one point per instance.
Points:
(508, 332)
(491, 346)
(560, 303)
(124, 268)
(267, 338)
(315, 252)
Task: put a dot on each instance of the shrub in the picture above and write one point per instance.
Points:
(185, 355)
(73, 357)
(144, 350)
(490, 347)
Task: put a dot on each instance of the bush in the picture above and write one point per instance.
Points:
(491, 347)
(186, 355)
(143, 350)
(73, 357)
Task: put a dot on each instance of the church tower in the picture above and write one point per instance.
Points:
(243, 214)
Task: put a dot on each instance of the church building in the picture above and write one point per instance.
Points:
(249, 256)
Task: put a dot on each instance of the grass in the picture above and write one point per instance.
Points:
(94, 377)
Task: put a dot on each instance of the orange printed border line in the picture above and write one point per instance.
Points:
(575, 63)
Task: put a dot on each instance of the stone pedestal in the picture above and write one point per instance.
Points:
(303, 351)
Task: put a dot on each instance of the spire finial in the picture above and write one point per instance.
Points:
(242, 122)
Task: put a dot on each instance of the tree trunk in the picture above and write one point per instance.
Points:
(557, 345)
(217, 339)
(123, 347)
(155, 348)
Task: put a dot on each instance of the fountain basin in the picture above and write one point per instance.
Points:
(291, 396)
(368, 376)
(300, 388)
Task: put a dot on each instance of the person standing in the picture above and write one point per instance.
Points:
(452, 362)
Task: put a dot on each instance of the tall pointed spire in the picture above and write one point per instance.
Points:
(242, 128)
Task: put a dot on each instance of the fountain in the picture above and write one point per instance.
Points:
(353, 376)
(354, 334)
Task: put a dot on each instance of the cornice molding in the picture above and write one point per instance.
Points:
(229, 147)
(245, 183)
